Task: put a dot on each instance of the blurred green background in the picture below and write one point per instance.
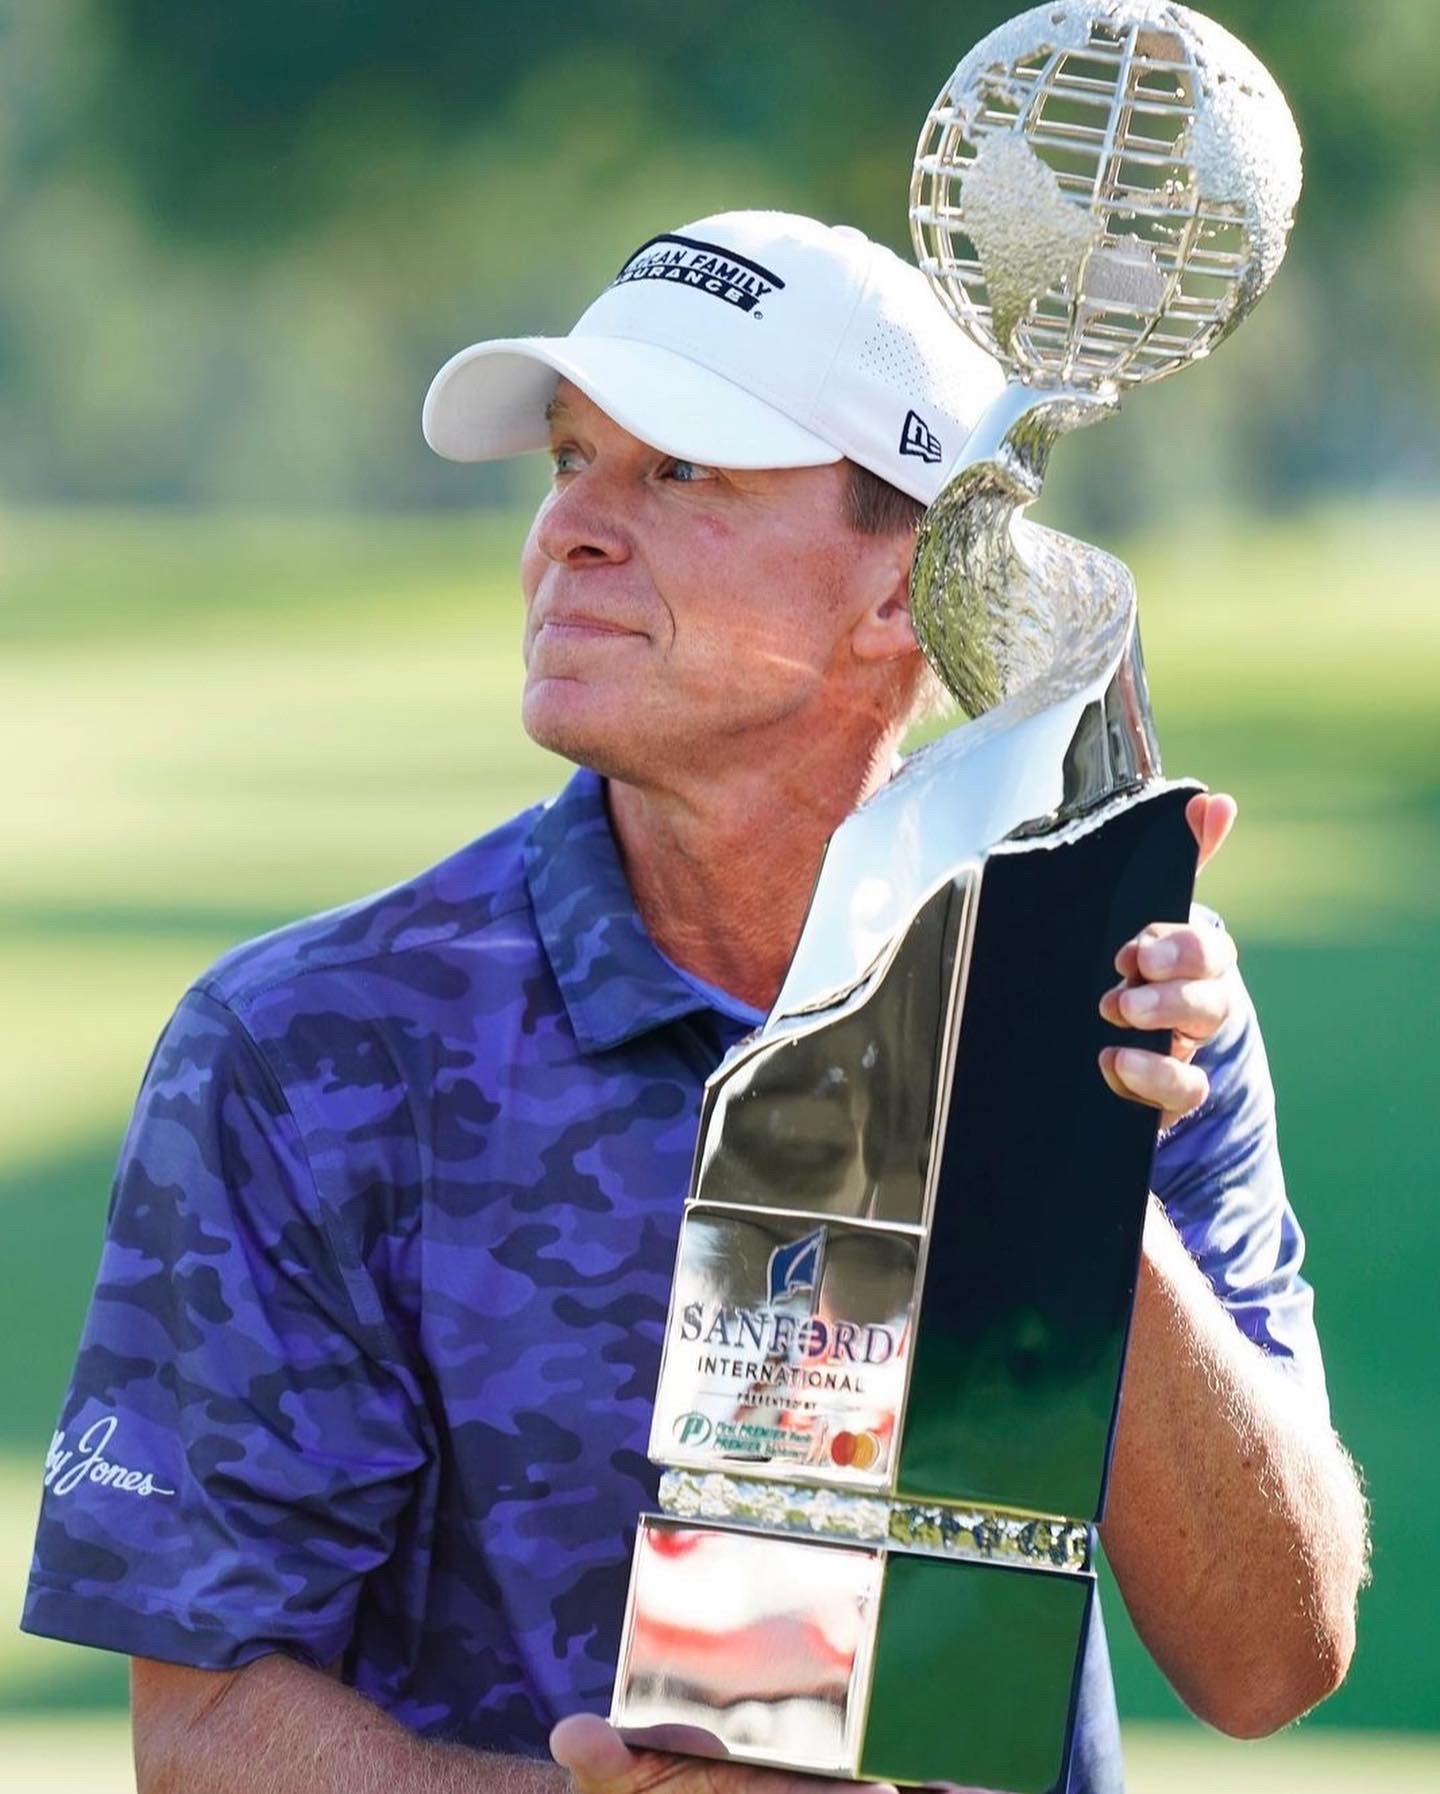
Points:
(260, 649)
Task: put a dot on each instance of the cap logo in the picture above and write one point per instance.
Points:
(705, 267)
(917, 438)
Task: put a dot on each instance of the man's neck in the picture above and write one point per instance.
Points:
(722, 874)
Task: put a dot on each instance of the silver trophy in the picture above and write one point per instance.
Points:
(892, 1361)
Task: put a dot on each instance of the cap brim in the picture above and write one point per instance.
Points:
(489, 401)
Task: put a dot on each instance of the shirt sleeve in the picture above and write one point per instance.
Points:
(1218, 1175)
(236, 1445)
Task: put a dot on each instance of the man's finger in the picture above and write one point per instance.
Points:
(1194, 1007)
(1127, 961)
(600, 1762)
(1155, 1079)
(1211, 815)
(1195, 951)
(1181, 950)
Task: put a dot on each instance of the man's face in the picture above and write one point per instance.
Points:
(675, 613)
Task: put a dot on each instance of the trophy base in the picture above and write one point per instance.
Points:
(860, 1661)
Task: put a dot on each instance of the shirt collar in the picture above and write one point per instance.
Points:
(613, 980)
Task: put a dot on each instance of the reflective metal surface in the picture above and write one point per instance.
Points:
(1036, 635)
(843, 1660)
(1130, 171)
(775, 1506)
(797, 1346)
(1103, 189)
(982, 1535)
(837, 1114)
(737, 1642)
(1017, 618)
(987, 1536)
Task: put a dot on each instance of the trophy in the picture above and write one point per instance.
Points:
(892, 1362)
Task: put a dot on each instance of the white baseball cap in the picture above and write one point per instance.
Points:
(747, 339)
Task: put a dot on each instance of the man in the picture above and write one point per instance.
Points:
(355, 1444)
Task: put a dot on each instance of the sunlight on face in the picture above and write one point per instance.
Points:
(675, 612)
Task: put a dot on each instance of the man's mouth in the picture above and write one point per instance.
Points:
(574, 622)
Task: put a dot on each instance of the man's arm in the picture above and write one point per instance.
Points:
(1235, 1522)
(279, 1727)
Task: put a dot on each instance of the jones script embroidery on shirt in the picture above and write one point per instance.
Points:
(66, 1470)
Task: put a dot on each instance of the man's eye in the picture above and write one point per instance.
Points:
(687, 472)
(564, 460)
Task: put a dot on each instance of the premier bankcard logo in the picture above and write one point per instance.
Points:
(705, 268)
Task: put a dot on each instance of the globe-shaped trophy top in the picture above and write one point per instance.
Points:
(1103, 189)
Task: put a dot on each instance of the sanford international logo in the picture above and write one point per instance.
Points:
(786, 1343)
(795, 1269)
(705, 267)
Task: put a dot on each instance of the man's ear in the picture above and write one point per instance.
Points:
(884, 630)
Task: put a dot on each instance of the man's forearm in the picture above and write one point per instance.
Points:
(278, 1727)
(1235, 1523)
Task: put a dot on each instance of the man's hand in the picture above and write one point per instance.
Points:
(278, 1726)
(1178, 977)
(600, 1762)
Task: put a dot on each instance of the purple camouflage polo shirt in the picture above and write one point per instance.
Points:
(368, 1370)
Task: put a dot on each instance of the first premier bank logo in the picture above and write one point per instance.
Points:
(693, 1429)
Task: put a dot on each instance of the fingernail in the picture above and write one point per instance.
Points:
(1140, 1004)
(1160, 956)
(1130, 1061)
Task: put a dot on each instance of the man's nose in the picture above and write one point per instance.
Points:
(583, 523)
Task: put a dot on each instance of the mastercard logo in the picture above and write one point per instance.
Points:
(854, 1451)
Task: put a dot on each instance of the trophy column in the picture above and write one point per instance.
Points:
(893, 1352)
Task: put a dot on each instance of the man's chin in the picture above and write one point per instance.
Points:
(588, 727)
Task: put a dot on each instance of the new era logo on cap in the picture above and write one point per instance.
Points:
(917, 438)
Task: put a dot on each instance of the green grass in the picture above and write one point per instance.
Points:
(89, 1753)
(212, 725)
(1167, 1760)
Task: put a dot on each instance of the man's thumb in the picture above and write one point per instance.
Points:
(591, 1749)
